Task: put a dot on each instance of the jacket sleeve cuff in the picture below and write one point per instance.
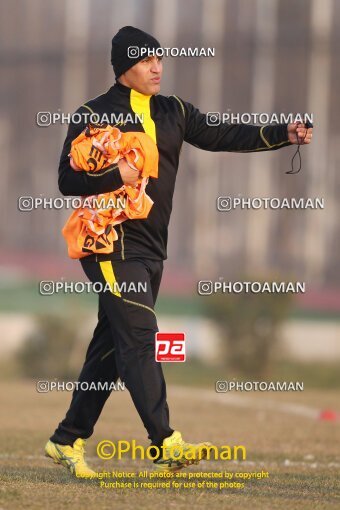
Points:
(275, 137)
(72, 183)
(105, 181)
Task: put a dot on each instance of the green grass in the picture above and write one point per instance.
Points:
(25, 297)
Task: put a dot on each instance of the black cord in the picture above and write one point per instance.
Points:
(297, 152)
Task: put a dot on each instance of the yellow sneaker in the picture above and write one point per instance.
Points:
(177, 454)
(71, 457)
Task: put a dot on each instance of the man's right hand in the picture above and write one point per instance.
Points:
(128, 175)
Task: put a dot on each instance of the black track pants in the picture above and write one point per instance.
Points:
(123, 345)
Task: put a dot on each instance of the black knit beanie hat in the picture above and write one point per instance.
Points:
(126, 48)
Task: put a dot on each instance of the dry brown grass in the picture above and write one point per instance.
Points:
(301, 454)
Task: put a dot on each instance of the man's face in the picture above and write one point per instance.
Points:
(145, 76)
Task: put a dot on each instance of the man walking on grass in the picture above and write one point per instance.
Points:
(123, 343)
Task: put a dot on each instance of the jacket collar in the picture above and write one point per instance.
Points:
(126, 91)
(121, 88)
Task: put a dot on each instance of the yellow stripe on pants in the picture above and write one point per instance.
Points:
(109, 276)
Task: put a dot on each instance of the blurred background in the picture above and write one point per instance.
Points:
(271, 56)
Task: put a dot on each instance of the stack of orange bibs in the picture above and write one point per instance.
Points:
(90, 229)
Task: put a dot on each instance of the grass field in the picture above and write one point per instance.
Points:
(281, 434)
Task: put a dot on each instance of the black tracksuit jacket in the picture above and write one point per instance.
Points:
(174, 121)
